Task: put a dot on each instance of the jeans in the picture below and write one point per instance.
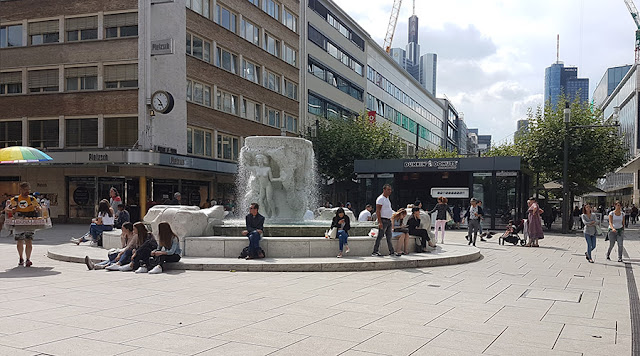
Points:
(423, 235)
(95, 230)
(385, 231)
(342, 238)
(591, 244)
(254, 243)
(616, 237)
(474, 226)
(162, 259)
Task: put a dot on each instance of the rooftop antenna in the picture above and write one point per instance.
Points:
(558, 49)
(414, 7)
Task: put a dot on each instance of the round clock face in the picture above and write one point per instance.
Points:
(160, 101)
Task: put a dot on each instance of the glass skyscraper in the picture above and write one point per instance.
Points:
(559, 80)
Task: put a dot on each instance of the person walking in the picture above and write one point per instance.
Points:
(473, 216)
(634, 214)
(24, 205)
(255, 227)
(535, 223)
(441, 219)
(590, 222)
(616, 230)
(342, 223)
(383, 214)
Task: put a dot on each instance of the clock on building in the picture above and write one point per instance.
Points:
(162, 101)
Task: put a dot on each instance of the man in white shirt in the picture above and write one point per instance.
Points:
(365, 215)
(383, 213)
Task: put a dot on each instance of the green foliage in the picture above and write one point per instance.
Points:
(505, 149)
(593, 152)
(440, 152)
(338, 143)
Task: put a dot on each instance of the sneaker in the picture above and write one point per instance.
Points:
(142, 269)
(619, 259)
(156, 270)
(376, 254)
(97, 267)
(339, 256)
(392, 254)
(89, 263)
(113, 267)
(347, 250)
(21, 262)
(126, 268)
(399, 254)
(74, 240)
(93, 244)
(608, 258)
(28, 263)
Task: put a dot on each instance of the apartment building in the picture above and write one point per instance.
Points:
(77, 80)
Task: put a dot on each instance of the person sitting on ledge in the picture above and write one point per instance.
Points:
(413, 223)
(116, 256)
(140, 236)
(255, 228)
(122, 217)
(103, 222)
(342, 223)
(168, 248)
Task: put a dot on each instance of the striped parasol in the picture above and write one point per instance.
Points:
(21, 154)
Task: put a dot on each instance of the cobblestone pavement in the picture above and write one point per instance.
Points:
(514, 301)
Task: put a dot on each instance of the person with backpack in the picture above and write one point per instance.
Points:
(255, 227)
(168, 249)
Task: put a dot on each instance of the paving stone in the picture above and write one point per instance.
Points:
(81, 347)
(238, 349)
(175, 343)
(315, 345)
(392, 344)
(462, 340)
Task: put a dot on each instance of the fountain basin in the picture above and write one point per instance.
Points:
(316, 230)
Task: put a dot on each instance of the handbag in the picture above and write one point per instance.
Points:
(449, 217)
(598, 230)
(331, 233)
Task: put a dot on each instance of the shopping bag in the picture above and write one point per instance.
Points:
(331, 233)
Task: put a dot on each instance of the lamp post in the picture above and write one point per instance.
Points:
(565, 171)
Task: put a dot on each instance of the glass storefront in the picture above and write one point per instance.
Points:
(82, 197)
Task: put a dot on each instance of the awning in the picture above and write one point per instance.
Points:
(630, 167)
(552, 185)
(595, 194)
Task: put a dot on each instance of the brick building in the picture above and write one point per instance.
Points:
(77, 78)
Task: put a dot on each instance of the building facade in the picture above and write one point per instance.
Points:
(560, 80)
(77, 80)
(610, 80)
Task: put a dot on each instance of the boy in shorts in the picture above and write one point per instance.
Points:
(24, 205)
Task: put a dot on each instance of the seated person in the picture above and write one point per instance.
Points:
(342, 223)
(255, 228)
(140, 236)
(103, 222)
(123, 217)
(120, 255)
(400, 231)
(168, 249)
(414, 223)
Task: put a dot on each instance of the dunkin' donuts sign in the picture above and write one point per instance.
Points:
(433, 164)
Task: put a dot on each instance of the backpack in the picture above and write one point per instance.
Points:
(245, 253)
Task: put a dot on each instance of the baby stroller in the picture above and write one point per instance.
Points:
(511, 234)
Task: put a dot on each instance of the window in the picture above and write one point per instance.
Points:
(271, 45)
(43, 80)
(250, 32)
(319, 39)
(251, 71)
(11, 36)
(272, 81)
(189, 138)
(81, 28)
(273, 117)
(81, 132)
(290, 20)
(10, 133)
(255, 2)
(120, 131)
(121, 25)
(121, 76)
(291, 89)
(251, 110)
(199, 6)
(316, 70)
(198, 47)
(227, 102)
(333, 21)
(225, 18)
(290, 56)
(291, 123)
(228, 147)
(272, 8)
(11, 83)
(198, 93)
(82, 78)
(335, 80)
(43, 133)
(227, 60)
(44, 32)
(207, 52)
(316, 106)
(199, 142)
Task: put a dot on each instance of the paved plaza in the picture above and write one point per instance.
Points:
(514, 301)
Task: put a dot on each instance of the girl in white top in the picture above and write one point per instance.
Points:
(104, 222)
(616, 230)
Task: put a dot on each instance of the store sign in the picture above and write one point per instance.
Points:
(484, 174)
(372, 116)
(365, 176)
(162, 47)
(385, 175)
(450, 192)
(98, 157)
(506, 174)
(432, 164)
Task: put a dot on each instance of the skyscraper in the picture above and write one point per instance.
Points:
(560, 80)
(428, 67)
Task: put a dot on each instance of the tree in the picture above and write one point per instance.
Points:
(339, 142)
(593, 151)
(505, 149)
(437, 153)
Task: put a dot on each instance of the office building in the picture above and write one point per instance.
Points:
(463, 136)
(77, 80)
(428, 72)
(560, 80)
(522, 128)
(610, 80)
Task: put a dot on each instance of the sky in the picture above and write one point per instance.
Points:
(492, 53)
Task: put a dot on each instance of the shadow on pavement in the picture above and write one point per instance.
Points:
(27, 272)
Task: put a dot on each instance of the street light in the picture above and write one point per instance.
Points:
(565, 171)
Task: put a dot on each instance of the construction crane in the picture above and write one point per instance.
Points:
(634, 13)
(391, 29)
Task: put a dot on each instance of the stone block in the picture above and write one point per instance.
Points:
(111, 239)
(204, 247)
(287, 249)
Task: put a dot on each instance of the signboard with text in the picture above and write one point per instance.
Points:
(450, 192)
(431, 165)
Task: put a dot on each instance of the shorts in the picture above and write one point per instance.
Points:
(26, 235)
